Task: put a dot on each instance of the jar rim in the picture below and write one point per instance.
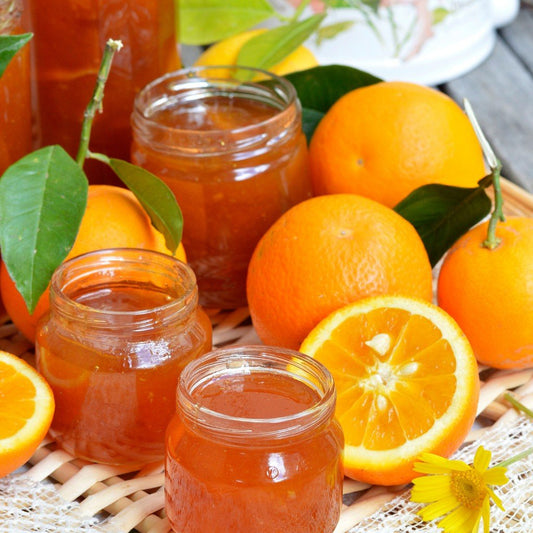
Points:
(78, 268)
(235, 360)
(192, 75)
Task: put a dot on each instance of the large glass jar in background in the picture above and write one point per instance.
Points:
(15, 98)
(69, 39)
(254, 446)
(234, 155)
(122, 325)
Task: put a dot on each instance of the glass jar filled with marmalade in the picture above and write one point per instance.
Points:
(254, 445)
(15, 96)
(122, 325)
(68, 43)
(234, 154)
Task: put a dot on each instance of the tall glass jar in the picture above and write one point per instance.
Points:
(234, 155)
(122, 325)
(15, 99)
(254, 446)
(69, 38)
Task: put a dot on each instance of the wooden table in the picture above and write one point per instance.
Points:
(501, 93)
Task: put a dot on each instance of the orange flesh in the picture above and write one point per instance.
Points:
(387, 400)
(20, 393)
(292, 484)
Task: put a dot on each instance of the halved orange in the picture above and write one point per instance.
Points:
(26, 411)
(407, 382)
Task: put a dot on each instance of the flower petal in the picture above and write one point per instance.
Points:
(496, 476)
(435, 464)
(485, 512)
(482, 459)
(430, 488)
(461, 520)
(495, 498)
(439, 508)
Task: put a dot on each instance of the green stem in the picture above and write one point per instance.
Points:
(518, 405)
(299, 10)
(516, 457)
(495, 165)
(95, 104)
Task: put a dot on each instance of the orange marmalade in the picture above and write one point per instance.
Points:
(234, 155)
(122, 326)
(69, 39)
(15, 99)
(254, 446)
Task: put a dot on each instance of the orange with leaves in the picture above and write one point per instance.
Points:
(114, 218)
(324, 253)
(385, 140)
(489, 292)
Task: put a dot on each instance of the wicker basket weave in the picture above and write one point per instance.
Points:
(57, 488)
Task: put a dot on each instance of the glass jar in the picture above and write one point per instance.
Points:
(234, 155)
(254, 446)
(69, 39)
(15, 98)
(122, 325)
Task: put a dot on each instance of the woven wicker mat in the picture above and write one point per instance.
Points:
(56, 492)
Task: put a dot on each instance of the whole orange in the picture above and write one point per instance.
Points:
(114, 218)
(490, 292)
(385, 140)
(324, 253)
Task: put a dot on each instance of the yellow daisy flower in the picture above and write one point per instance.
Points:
(457, 491)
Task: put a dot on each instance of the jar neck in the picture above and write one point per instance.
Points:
(230, 368)
(201, 85)
(10, 14)
(123, 289)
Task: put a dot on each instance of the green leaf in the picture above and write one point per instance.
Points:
(42, 201)
(332, 30)
(319, 88)
(207, 21)
(438, 15)
(269, 48)
(156, 198)
(310, 120)
(9, 46)
(442, 213)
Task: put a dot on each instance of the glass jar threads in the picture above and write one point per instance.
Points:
(254, 446)
(234, 154)
(122, 325)
(69, 39)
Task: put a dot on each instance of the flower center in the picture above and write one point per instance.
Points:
(468, 487)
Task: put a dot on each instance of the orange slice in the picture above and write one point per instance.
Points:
(26, 411)
(407, 382)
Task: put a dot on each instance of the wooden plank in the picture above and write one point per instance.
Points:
(501, 93)
(519, 36)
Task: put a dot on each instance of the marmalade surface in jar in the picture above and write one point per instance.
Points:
(122, 326)
(234, 155)
(69, 39)
(254, 446)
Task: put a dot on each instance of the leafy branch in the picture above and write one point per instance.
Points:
(43, 197)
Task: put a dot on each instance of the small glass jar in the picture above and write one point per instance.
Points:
(254, 445)
(15, 97)
(68, 43)
(122, 325)
(234, 154)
